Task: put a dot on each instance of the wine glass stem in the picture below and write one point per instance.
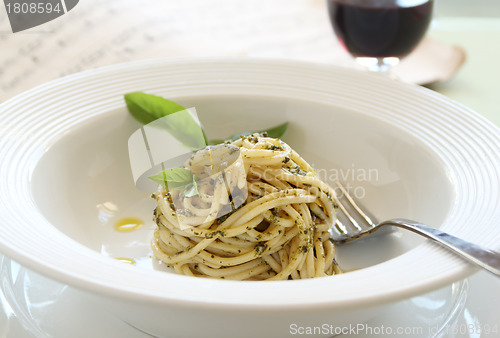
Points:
(381, 65)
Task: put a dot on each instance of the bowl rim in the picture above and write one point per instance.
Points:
(460, 136)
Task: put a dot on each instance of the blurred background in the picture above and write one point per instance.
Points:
(477, 8)
(97, 33)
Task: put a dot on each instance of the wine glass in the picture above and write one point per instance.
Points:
(379, 33)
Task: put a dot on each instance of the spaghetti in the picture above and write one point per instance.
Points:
(279, 231)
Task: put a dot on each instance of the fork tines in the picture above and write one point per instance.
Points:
(351, 215)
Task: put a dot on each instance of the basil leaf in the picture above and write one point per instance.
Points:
(274, 132)
(215, 141)
(146, 108)
(184, 128)
(278, 131)
(177, 179)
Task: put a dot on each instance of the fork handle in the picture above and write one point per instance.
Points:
(481, 256)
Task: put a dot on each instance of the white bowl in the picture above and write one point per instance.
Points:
(65, 179)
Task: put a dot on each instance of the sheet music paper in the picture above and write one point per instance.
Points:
(97, 33)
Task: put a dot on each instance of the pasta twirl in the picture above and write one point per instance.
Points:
(274, 227)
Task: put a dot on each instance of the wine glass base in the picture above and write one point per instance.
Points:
(380, 65)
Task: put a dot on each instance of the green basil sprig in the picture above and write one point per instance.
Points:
(178, 179)
(147, 108)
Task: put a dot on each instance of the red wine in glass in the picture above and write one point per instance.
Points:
(382, 30)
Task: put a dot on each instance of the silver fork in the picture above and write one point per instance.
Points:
(361, 225)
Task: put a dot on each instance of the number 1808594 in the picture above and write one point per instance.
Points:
(33, 8)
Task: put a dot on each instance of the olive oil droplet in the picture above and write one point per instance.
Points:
(126, 260)
(128, 224)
